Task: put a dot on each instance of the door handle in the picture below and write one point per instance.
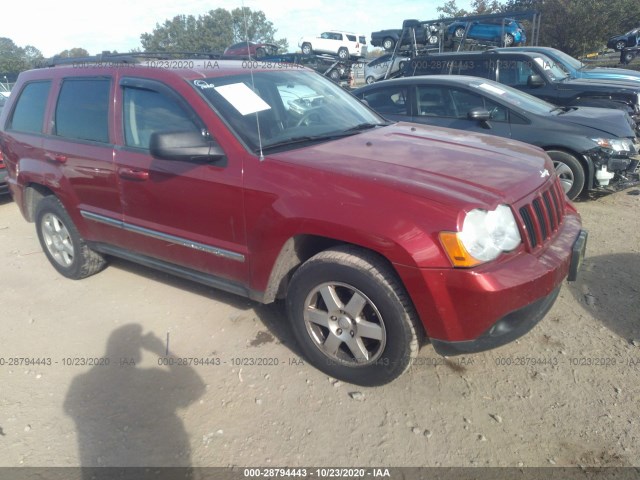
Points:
(55, 157)
(133, 174)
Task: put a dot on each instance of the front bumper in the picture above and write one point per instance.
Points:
(519, 322)
(490, 305)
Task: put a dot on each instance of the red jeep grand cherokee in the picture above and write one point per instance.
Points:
(276, 183)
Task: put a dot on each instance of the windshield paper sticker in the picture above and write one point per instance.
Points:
(242, 98)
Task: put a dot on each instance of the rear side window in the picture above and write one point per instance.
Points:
(351, 38)
(82, 112)
(389, 100)
(362, 40)
(28, 114)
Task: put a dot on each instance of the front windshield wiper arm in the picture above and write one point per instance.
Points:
(561, 109)
(365, 126)
(327, 136)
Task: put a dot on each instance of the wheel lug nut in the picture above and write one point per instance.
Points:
(339, 331)
(334, 318)
(352, 333)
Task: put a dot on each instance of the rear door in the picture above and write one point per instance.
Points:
(185, 213)
(80, 144)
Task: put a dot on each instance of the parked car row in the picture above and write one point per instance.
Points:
(495, 92)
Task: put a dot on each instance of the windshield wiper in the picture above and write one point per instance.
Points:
(326, 136)
(365, 126)
(561, 109)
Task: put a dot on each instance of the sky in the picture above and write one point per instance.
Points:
(54, 26)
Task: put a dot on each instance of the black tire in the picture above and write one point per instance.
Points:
(62, 243)
(570, 171)
(388, 44)
(459, 32)
(334, 75)
(260, 52)
(306, 49)
(628, 57)
(367, 307)
(343, 53)
(433, 40)
(508, 40)
(369, 80)
(620, 45)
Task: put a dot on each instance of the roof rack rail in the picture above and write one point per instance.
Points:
(131, 57)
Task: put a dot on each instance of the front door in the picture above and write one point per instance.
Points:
(187, 213)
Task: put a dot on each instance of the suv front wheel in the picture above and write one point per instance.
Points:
(62, 243)
(306, 49)
(352, 317)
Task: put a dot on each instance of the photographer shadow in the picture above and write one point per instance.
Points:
(608, 288)
(126, 416)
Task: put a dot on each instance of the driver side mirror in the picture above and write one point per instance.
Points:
(535, 81)
(481, 115)
(187, 147)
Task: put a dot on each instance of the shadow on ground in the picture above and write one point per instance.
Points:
(608, 287)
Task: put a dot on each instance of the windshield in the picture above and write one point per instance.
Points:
(274, 107)
(513, 97)
(551, 69)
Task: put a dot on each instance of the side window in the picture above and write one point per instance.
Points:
(514, 73)
(389, 100)
(465, 101)
(147, 112)
(28, 114)
(362, 39)
(82, 111)
(351, 38)
(434, 102)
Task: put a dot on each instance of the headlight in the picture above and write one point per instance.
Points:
(615, 144)
(484, 236)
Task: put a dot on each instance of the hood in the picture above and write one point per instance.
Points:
(604, 84)
(444, 165)
(604, 73)
(610, 121)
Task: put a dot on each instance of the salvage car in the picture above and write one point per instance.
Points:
(574, 68)
(377, 69)
(533, 73)
(620, 42)
(251, 49)
(590, 147)
(425, 34)
(326, 65)
(507, 33)
(375, 235)
(342, 44)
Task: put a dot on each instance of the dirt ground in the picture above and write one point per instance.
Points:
(566, 394)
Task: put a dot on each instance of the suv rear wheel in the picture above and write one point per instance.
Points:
(343, 53)
(61, 241)
(352, 317)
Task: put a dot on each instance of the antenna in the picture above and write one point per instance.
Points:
(246, 36)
